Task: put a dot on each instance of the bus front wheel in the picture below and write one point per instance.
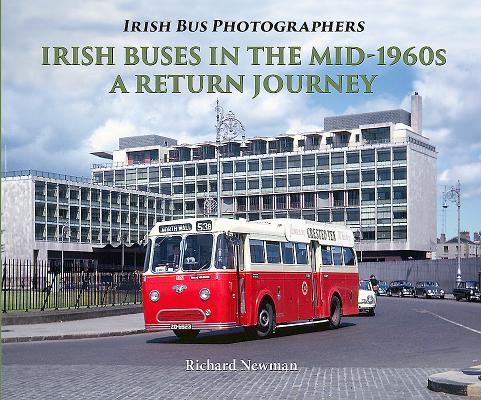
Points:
(186, 335)
(335, 313)
(265, 320)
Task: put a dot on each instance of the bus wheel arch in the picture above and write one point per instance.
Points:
(335, 311)
(266, 317)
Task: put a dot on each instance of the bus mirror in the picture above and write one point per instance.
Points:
(234, 240)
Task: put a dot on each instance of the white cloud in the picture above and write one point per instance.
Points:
(438, 136)
(467, 173)
(106, 137)
(469, 176)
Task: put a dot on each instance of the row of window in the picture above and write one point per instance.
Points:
(268, 251)
(153, 174)
(399, 232)
(87, 235)
(74, 195)
(291, 253)
(265, 182)
(337, 255)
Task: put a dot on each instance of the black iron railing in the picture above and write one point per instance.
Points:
(29, 286)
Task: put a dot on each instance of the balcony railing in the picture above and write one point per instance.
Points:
(353, 146)
(43, 174)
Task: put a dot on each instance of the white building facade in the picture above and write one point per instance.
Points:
(45, 213)
(375, 172)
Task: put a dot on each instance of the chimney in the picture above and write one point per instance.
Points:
(477, 237)
(417, 113)
(465, 235)
(442, 239)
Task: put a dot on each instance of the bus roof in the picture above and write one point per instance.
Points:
(295, 230)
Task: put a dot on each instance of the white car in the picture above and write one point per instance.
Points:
(367, 298)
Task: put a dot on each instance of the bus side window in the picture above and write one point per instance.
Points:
(273, 252)
(337, 255)
(301, 253)
(287, 252)
(348, 256)
(257, 251)
(326, 255)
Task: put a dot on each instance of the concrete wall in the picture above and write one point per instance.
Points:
(442, 271)
(421, 199)
(18, 218)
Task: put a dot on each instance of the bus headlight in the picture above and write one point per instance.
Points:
(154, 296)
(204, 294)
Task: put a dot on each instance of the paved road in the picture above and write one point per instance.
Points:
(388, 356)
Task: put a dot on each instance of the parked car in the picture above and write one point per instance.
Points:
(428, 289)
(468, 290)
(400, 288)
(367, 298)
(383, 286)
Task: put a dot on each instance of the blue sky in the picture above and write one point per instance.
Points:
(54, 116)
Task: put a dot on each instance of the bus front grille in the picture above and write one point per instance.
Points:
(184, 315)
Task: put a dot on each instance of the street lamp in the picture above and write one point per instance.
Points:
(122, 243)
(228, 127)
(64, 233)
(454, 195)
(210, 205)
(359, 232)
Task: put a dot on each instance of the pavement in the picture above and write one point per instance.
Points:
(38, 317)
(79, 329)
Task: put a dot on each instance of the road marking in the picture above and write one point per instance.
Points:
(448, 320)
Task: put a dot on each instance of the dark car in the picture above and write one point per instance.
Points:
(468, 290)
(382, 288)
(400, 288)
(429, 289)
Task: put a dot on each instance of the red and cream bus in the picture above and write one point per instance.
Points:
(206, 274)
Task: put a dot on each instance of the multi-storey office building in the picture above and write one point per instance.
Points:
(375, 172)
(37, 207)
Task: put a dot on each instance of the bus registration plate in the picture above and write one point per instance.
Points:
(180, 326)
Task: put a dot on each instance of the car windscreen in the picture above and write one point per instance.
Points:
(364, 285)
